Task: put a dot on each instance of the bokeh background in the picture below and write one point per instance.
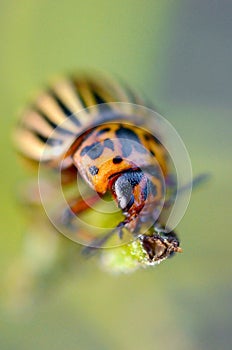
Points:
(179, 54)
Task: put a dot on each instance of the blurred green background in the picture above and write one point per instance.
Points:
(179, 54)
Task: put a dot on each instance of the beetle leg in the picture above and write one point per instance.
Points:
(99, 241)
(76, 207)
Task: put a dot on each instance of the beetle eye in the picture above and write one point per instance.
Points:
(124, 192)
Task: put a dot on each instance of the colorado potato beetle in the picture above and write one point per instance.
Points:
(76, 126)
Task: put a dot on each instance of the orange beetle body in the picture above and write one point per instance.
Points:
(66, 127)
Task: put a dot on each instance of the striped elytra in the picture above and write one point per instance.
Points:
(89, 122)
(69, 107)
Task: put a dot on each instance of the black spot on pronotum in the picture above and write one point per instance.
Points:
(152, 152)
(93, 170)
(85, 150)
(139, 148)
(126, 148)
(117, 160)
(127, 135)
(93, 151)
(109, 144)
